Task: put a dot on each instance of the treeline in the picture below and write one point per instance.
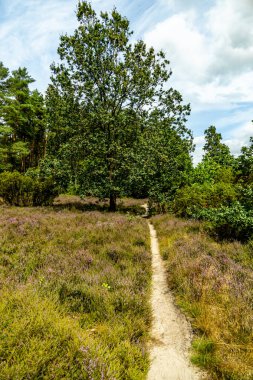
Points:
(109, 126)
(62, 141)
(22, 121)
(60, 138)
(23, 134)
(220, 190)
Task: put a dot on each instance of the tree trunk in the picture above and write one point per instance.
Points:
(113, 205)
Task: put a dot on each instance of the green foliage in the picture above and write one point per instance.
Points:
(23, 190)
(106, 98)
(22, 121)
(162, 160)
(245, 196)
(16, 189)
(54, 168)
(225, 206)
(244, 164)
(190, 200)
(44, 192)
(220, 190)
(231, 223)
(210, 171)
(215, 149)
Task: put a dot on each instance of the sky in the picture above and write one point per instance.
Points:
(209, 44)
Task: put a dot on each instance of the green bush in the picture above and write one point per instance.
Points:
(22, 190)
(16, 189)
(233, 222)
(218, 203)
(192, 198)
(212, 172)
(245, 196)
(44, 192)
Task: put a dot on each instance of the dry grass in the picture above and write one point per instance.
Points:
(74, 294)
(212, 283)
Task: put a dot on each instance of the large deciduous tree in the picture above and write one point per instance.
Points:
(108, 95)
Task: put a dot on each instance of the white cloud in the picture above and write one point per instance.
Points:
(30, 35)
(210, 46)
(230, 27)
(198, 153)
(199, 140)
(240, 137)
(212, 59)
(237, 117)
(184, 45)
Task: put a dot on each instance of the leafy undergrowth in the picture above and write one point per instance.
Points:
(212, 283)
(74, 295)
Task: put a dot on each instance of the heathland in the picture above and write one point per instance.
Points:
(212, 282)
(74, 294)
(75, 271)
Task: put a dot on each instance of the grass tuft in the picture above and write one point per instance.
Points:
(203, 353)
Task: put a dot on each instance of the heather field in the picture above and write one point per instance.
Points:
(95, 285)
(212, 283)
(74, 291)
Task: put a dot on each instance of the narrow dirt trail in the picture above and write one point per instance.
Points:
(171, 333)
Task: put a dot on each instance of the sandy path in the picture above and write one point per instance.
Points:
(171, 333)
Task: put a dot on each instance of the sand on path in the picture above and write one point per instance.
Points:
(171, 333)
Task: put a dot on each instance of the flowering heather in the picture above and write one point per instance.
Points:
(74, 294)
(212, 283)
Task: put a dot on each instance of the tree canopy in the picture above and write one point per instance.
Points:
(108, 100)
(22, 121)
(215, 149)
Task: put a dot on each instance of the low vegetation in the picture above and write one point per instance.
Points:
(212, 282)
(27, 190)
(75, 279)
(74, 294)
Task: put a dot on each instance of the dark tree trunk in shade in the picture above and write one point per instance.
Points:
(113, 205)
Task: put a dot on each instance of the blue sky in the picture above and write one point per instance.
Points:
(208, 42)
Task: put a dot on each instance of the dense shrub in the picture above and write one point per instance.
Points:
(16, 189)
(22, 190)
(212, 172)
(245, 196)
(233, 222)
(226, 207)
(192, 198)
(44, 192)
